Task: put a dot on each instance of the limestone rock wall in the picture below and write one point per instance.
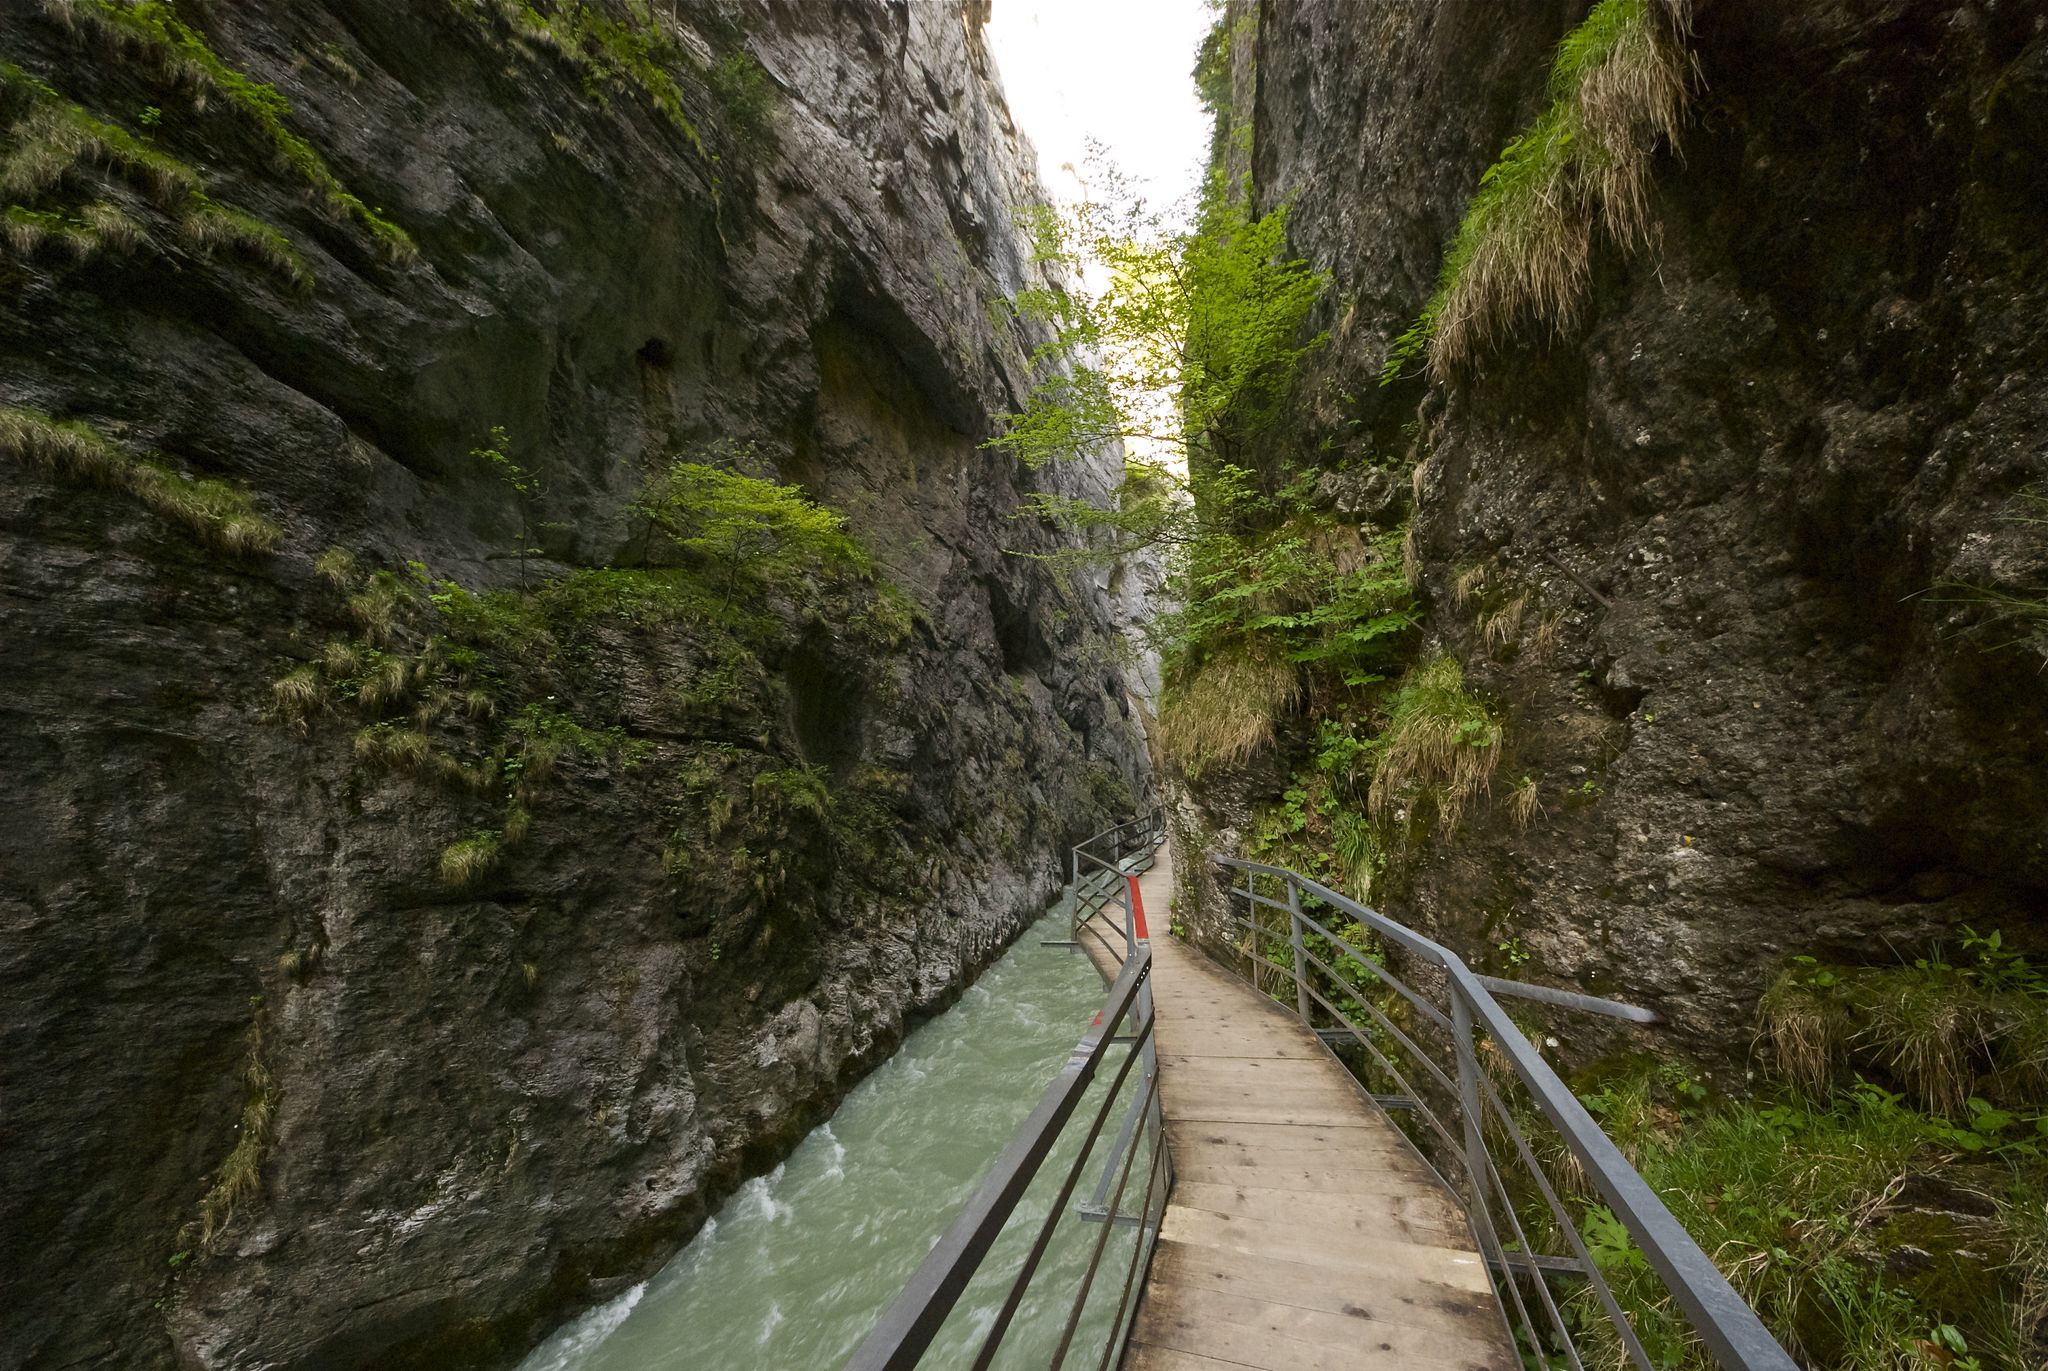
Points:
(774, 230)
(1754, 505)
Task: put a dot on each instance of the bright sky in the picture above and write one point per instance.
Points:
(1116, 71)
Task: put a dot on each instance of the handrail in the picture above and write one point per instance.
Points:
(1720, 1317)
(905, 1332)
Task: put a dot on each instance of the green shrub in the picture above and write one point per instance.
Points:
(636, 51)
(748, 95)
(1799, 1200)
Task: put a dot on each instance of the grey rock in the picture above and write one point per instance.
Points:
(1370, 495)
(492, 1107)
(1781, 443)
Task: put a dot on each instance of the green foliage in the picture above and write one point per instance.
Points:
(1956, 1036)
(2014, 619)
(1619, 85)
(486, 695)
(221, 515)
(1800, 1200)
(748, 95)
(208, 226)
(1188, 344)
(55, 145)
(636, 50)
(240, 1175)
(155, 28)
(749, 529)
(465, 862)
(525, 487)
(1439, 748)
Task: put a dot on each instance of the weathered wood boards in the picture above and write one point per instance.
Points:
(1302, 1233)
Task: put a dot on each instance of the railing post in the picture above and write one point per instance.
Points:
(1300, 950)
(1468, 1109)
(1074, 893)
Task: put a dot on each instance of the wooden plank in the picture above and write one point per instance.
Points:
(1416, 1216)
(1374, 1256)
(1343, 1177)
(1173, 1359)
(1315, 1287)
(1282, 1337)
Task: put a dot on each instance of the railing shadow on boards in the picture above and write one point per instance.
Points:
(1461, 1094)
(917, 1323)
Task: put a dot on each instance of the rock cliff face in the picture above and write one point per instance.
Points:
(412, 915)
(1737, 531)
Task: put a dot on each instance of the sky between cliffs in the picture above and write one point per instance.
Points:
(1116, 71)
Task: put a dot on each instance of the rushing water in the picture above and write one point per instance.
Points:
(793, 1271)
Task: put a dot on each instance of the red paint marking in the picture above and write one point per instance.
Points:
(1138, 910)
(1098, 1020)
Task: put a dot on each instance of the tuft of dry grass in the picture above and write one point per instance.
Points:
(1620, 86)
(241, 1174)
(1522, 804)
(1807, 1031)
(1929, 1031)
(1503, 627)
(340, 659)
(467, 861)
(385, 682)
(1467, 585)
(398, 749)
(220, 514)
(337, 567)
(1441, 745)
(2026, 1218)
(298, 695)
(209, 228)
(61, 447)
(376, 608)
(1225, 712)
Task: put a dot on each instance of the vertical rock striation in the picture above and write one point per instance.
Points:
(430, 1069)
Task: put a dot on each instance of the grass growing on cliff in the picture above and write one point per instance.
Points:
(155, 30)
(637, 50)
(1440, 745)
(57, 145)
(1619, 87)
(490, 696)
(219, 514)
(1949, 1033)
(240, 1175)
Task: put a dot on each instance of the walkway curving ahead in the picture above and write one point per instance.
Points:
(1303, 1233)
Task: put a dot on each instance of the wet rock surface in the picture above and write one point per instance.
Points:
(1747, 516)
(485, 1107)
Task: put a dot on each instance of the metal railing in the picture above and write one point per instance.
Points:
(912, 1324)
(1102, 866)
(1466, 1118)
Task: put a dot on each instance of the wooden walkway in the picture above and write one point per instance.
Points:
(1303, 1233)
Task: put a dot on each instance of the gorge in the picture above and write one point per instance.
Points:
(570, 570)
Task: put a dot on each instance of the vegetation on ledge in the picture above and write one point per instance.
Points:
(1619, 87)
(220, 514)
